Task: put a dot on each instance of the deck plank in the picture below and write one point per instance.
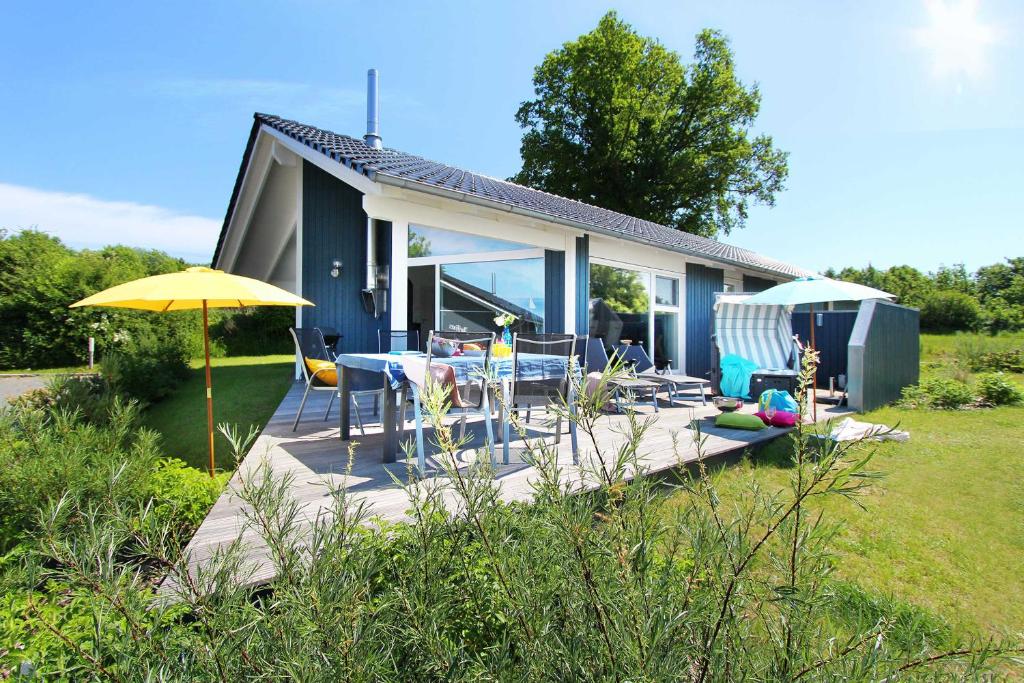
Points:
(317, 459)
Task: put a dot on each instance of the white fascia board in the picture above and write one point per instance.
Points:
(457, 216)
(335, 168)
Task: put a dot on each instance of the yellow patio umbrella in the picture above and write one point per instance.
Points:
(190, 289)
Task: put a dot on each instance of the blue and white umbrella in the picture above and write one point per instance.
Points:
(815, 290)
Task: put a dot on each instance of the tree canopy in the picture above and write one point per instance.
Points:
(621, 122)
(991, 298)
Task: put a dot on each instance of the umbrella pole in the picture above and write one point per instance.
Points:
(814, 380)
(209, 389)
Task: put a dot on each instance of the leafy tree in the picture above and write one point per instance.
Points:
(949, 310)
(619, 121)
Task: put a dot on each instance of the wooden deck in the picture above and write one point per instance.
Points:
(317, 459)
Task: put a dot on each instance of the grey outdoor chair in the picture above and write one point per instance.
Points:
(398, 340)
(473, 388)
(642, 367)
(309, 343)
(540, 382)
(597, 360)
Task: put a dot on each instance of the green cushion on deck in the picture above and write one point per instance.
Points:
(739, 421)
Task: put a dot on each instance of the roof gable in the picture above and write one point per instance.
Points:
(391, 166)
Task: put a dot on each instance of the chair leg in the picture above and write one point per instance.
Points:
(359, 418)
(305, 395)
(403, 397)
(654, 398)
(421, 460)
(506, 434)
(490, 430)
(527, 414)
(558, 430)
(329, 404)
(376, 405)
(462, 426)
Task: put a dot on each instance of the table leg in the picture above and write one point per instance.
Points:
(390, 453)
(346, 402)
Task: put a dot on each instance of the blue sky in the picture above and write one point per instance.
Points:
(126, 122)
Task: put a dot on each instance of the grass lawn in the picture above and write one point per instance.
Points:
(246, 390)
(944, 529)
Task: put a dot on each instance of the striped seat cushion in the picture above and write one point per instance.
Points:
(762, 334)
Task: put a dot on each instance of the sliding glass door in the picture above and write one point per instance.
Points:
(638, 306)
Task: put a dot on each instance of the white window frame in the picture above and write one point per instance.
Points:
(531, 252)
(653, 307)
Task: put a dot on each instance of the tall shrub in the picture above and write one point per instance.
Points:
(40, 277)
(603, 584)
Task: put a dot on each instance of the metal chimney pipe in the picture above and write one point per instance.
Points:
(372, 137)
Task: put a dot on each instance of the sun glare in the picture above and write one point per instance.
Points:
(956, 40)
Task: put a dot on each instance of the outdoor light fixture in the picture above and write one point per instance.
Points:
(335, 268)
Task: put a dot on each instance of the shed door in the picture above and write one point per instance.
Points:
(701, 284)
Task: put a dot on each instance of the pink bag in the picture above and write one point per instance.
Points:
(782, 418)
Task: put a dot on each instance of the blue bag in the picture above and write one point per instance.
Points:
(778, 399)
(736, 372)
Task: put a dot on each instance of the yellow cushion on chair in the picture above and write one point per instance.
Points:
(329, 377)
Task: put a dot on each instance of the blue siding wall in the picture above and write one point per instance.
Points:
(831, 338)
(701, 284)
(752, 283)
(334, 227)
(583, 285)
(554, 291)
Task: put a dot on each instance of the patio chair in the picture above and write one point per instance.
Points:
(541, 364)
(399, 340)
(642, 367)
(597, 361)
(469, 383)
(319, 372)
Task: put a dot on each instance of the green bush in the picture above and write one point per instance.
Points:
(948, 311)
(255, 331)
(182, 495)
(40, 277)
(995, 389)
(947, 394)
(147, 368)
(54, 452)
(1001, 361)
(615, 584)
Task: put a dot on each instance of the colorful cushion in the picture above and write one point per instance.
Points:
(330, 374)
(782, 418)
(739, 421)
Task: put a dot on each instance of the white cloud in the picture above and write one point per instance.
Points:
(82, 220)
(956, 40)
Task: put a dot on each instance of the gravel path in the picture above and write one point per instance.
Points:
(16, 385)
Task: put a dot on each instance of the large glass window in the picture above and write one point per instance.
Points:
(472, 294)
(620, 304)
(424, 241)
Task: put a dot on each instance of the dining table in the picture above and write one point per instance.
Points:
(353, 368)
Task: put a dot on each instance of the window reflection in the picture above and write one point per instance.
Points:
(472, 294)
(666, 291)
(619, 305)
(425, 241)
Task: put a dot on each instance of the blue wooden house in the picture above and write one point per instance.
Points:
(381, 239)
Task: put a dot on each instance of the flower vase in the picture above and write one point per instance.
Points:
(506, 336)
